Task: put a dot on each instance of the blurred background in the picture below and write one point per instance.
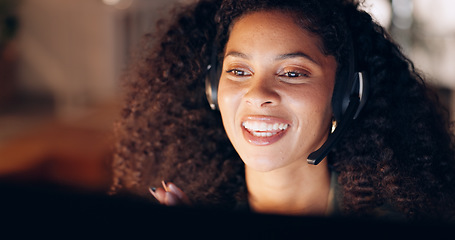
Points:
(61, 63)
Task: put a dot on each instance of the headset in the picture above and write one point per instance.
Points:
(212, 78)
(349, 97)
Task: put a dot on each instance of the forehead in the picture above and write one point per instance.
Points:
(277, 28)
(267, 18)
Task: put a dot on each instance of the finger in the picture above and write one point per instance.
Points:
(180, 194)
(170, 199)
(165, 198)
(165, 186)
(158, 193)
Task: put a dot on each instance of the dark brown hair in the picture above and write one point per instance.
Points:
(399, 152)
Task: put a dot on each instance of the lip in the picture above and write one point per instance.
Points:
(273, 135)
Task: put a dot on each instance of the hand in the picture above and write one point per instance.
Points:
(170, 195)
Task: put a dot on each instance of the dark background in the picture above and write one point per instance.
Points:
(61, 63)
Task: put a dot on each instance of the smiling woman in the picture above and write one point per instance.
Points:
(287, 75)
(273, 79)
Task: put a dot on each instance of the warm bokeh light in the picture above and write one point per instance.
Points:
(119, 4)
(111, 2)
(61, 64)
(381, 10)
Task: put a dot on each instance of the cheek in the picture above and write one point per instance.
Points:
(313, 108)
(229, 95)
(316, 98)
(224, 98)
(228, 101)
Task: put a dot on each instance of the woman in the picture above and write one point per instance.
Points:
(281, 63)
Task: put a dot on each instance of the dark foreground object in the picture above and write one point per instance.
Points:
(48, 210)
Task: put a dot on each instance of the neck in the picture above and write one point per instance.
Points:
(300, 189)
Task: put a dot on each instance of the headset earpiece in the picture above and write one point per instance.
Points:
(349, 97)
(357, 99)
(212, 79)
(363, 87)
(211, 88)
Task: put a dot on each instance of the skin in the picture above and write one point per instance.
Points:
(170, 195)
(274, 73)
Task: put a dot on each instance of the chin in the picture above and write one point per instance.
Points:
(263, 164)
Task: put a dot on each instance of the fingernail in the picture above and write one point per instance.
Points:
(152, 191)
(165, 186)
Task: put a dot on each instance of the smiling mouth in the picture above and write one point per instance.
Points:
(263, 131)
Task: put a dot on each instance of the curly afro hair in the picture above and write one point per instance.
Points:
(399, 152)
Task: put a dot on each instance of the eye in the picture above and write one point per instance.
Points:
(238, 73)
(291, 74)
(294, 76)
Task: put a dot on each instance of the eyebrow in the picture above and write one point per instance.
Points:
(280, 57)
(296, 55)
(237, 54)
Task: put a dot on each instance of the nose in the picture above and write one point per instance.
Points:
(262, 92)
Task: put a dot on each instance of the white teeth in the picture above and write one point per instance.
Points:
(263, 126)
(276, 126)
(262, 129)
(263, 134)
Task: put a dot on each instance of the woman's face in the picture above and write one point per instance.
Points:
(275, 91)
